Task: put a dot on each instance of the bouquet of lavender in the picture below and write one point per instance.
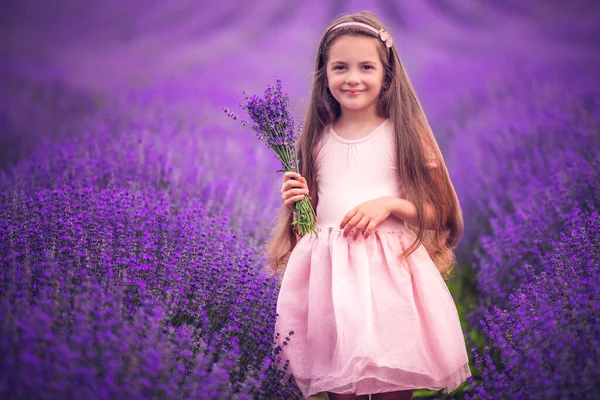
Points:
(274, 125)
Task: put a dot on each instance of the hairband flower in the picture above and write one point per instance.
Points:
(384, 36)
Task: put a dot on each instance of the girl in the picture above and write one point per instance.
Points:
(370, 311)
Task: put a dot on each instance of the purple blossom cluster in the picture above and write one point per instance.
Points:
(270, 115)
(512, 141)
(145, 145)
(533, 178)
(114, 286)
(131, 268)
(537, 170)
(274, 125)
(548, 338)
(549, 205)
(68, 335)
(272, 122)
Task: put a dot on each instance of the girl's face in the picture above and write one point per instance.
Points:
(355, 73)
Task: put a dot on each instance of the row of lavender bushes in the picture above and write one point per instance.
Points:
(528, 178)
(130, 269)
(138, 209)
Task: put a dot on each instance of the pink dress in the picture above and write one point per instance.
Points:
(363, 321)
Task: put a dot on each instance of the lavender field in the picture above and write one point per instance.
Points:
(133, 212)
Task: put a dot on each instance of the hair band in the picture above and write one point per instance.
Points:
(383, 35)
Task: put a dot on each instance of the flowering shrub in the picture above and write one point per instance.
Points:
(522, 154)
(531, 173)
(526, 234)
(67, 335)
(137, 147)
(514, 137)
(133, 247)
(548, 339)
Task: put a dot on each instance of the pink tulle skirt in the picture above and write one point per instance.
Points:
(363, 321)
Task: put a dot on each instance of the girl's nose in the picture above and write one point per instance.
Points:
(352, 80)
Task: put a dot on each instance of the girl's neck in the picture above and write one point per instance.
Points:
(357, 121)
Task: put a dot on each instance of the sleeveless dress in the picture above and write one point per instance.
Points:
(363, 321)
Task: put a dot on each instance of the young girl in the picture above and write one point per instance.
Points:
(370, 311)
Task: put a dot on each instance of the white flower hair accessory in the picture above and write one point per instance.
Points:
(383, 35)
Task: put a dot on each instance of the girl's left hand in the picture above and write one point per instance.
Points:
(365, 217)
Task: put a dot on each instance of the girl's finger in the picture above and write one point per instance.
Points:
(297, 198)
(295, 192)
(293, 177)
(291, 174)
(289, 185)
(370, 228)
(288, 194)
(350, 225)
(360, 227)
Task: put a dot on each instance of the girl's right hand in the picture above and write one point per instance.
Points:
(293, 190)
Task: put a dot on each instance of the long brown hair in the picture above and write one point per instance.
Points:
(416, 151)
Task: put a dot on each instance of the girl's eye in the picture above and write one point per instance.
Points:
(338, 67)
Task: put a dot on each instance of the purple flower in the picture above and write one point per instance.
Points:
(548, 338)
(274, 125)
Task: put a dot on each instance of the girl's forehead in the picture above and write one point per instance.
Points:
(350, 48)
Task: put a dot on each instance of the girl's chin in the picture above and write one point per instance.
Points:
(354, 106)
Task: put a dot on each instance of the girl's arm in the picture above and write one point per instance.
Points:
(406, 210)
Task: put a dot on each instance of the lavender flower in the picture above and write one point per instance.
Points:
(126, 229)
(274, 125)
(87, 270)
(548, 339)
(532, 173)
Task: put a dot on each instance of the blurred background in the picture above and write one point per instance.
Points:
(200, 54)
(131, 92)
